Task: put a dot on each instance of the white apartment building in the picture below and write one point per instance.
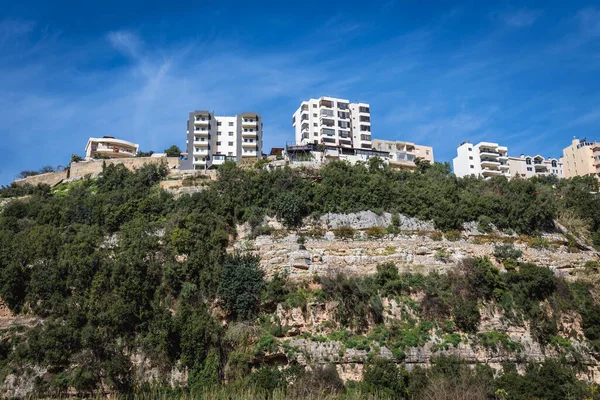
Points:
(528, 166)
(109, 147)
(212, 140)
(333, 122)
(484, 159)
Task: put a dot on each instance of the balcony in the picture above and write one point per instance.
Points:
(201, 133)
(346, 143)
(491, 172)
(249, 144)
(204, 143)
(327, 122)
(540, 167)
(489, 153)
(326, 103)
(328, 132)
(332, 153)
(250, 134)
(219, 159)
(202, 121)
(486, 162)
(113, 151)
(504, 166)
(249, 123)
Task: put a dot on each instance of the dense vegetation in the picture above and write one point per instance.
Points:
(115, 267)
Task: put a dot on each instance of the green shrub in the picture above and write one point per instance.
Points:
(510, 264)
(453, 235)
(484, 224)
(436, 235)
(505, 251)
(241, 284)
(384, 377)
(375, 232)
(344, 232)
(539, 243)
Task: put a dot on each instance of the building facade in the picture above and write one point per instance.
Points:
(530, 166)
(581, 158)
(108, 146)
(402, 155)
(212, 140)
(333, 122)
(484, 159)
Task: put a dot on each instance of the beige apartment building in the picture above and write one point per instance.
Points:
(530, 166)
(581, 158)
(402, 155)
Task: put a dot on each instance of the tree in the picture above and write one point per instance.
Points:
(149, 153)
(289, 208)
(242, 282)
(173, 151)
(384, 377)
(75, 158)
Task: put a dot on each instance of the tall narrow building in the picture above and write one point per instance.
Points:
(581, 158)
(333, 122)
(212, 140)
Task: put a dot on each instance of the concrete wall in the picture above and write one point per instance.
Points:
(94, 167)
(51, 178)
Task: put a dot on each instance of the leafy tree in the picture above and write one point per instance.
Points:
(173, 151)
(384, 377)
(241, 284)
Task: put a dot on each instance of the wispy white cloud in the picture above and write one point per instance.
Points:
(520, 18)
(589, 21)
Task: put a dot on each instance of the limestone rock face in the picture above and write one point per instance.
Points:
(368, 219)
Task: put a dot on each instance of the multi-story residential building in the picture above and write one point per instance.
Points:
(108, 146)
(581, 158)
(528, 166)
(402, 155)
(333, 122)
(483, 159)
(212, 140)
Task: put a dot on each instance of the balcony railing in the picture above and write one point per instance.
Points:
(328, 132)
(326, 103)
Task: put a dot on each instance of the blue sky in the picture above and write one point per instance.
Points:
(525, 74)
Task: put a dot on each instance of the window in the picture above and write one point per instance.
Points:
(230, 154)
(315, 115)
(218, 123)
(218, 143)
(472, 166)
(230, 133)
(230, 143)
(219, 133)
(470, 149)
(231, 124)
(314, 106)
(470, 157)
(528, 162)
(529, 169)
(554, 164)
(315, 124)
(315, 134)
(293, 119)
(427, 152)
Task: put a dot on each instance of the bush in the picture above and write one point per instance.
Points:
(484, 224)
(453, 235)
(375, 232)
(505, 251)
(385, 378)
(241, 284)
(344, 232)
(436, 235)
(539, 243)
(289, 209)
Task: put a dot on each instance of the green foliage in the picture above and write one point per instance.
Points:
(385, 378)
(507, 251)
(289, 208)
(75, 158)
(241, 284)
(375, 232)
(484, 224)
(495, 340)
(173, 151)
(453, 235)
(344, 232)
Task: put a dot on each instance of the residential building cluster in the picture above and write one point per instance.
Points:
(330, 128)
(485, 159)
